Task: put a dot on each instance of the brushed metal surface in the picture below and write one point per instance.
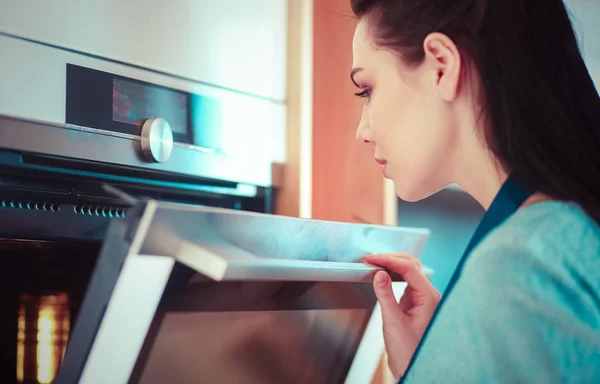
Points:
(223, 244)
(157, 140)
(66, 140)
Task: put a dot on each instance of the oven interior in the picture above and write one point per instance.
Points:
(54, 215)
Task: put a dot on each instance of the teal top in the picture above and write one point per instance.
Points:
(526, 308)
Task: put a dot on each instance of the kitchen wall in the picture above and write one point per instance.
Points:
(452, 216)
(584, 16)
(328, 174)
(347, 182)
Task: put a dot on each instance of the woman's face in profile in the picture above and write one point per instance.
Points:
(409, 124)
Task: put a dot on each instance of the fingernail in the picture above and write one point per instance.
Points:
(381, 279)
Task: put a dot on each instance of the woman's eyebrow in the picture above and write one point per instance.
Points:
(353, 72)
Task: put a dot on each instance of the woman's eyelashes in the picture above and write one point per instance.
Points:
(363, 93)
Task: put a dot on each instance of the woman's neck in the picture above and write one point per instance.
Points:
(486, 188)
(479, 175)
(536, 198)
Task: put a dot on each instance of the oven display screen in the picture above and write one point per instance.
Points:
(133, 103)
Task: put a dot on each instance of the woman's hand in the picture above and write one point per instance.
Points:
(404, 322)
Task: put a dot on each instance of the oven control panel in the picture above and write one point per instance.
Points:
(122, 105)
(57, 102)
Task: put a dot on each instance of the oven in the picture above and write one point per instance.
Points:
(138, 241)
(73, 129)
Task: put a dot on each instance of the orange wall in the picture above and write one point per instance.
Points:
(347, 183)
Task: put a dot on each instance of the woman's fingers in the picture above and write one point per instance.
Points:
(408, 267)
(382, 285)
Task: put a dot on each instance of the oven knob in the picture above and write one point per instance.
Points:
(157, 140)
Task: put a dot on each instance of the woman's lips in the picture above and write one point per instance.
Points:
(383, 163)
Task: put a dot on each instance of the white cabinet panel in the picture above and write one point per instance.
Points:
(584, 16)
(237, 44)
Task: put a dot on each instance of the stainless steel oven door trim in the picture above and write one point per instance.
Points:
(127, 319)
(34, 136)
(368, 355)
(224, 245)
(223, 267)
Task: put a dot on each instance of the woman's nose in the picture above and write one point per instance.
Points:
(362, 133)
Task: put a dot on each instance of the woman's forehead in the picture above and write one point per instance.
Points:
(361, 45)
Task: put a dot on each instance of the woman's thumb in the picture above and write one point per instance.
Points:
(382, 285)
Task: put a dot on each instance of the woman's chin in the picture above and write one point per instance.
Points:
(412, 193)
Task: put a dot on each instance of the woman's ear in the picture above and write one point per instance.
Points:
(443, 60)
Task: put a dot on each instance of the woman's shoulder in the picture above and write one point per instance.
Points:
(550, 232)
(549, 251)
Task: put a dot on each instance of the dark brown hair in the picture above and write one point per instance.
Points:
(541, 106)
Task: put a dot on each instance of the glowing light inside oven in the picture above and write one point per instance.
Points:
(43, 330)
(45, 342)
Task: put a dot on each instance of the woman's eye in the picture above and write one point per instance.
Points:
(363, 94)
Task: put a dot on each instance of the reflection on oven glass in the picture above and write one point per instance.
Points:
(262, 347)
(44, 323)
(135, 102)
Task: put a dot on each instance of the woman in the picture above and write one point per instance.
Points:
(495, 97)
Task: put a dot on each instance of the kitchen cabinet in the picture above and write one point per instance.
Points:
(235, 44)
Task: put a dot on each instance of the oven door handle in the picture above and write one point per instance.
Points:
(229, 263)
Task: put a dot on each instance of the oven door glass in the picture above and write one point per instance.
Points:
(255, 333)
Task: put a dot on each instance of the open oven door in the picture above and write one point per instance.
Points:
(208, 295)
